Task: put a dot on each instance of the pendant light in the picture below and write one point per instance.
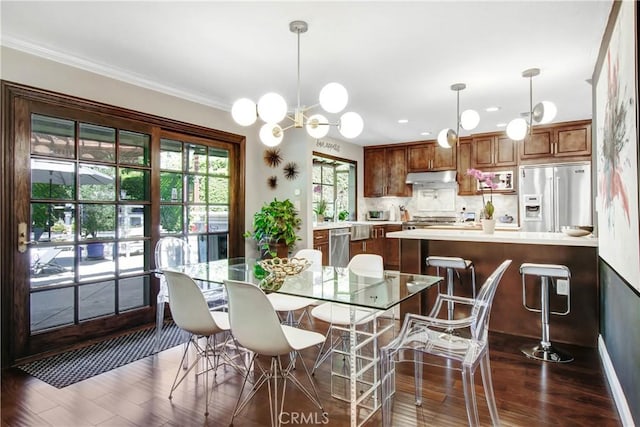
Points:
(272, 109)
(543, 112)
(469, 119)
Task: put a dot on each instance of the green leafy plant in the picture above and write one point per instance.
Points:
(321, 207)
(343, 215)
(275, 222)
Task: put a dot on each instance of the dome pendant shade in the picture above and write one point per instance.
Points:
(317, 126)
(517, 129)
(447, 138)
(333, 97)
(272, 107)
(350, 125)
(544, 112)
(469, 119)
(271, 134)
(244, 112)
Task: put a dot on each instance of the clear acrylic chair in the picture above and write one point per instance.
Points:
(191, 313)
(289, 304)
(257, 328)
(426, 340)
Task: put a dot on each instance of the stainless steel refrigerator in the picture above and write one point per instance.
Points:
(553, 196)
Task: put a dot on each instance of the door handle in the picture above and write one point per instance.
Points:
(22, 238)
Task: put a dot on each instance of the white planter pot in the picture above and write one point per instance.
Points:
(489, 226)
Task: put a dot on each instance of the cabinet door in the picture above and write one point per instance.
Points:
(466, 183)
(396, 165)
(505, 151)
(324, 248)
(357, 247)
(573, 140)
(420, 157)
(374, 172)
(538, 144)
(392, 249)
(482, 152)
(443, 158)
(321, 243)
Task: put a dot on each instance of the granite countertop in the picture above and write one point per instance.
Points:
(500, 236)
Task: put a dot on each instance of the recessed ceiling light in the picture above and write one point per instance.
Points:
(491, 109)
(425, 133)
(403, 121)
(501, 125)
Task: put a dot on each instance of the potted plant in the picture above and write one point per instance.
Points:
(96, 218)
(275, 228)
(320, 210)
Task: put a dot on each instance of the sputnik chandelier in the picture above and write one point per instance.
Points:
(543, 112)
(272, 109)
(468, 120)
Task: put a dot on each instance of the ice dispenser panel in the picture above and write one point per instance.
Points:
(532, 207)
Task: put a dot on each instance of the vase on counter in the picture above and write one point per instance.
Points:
(488, 225)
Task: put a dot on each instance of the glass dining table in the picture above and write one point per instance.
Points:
(354, 367)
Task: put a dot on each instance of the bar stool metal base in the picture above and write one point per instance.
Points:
(547, 354)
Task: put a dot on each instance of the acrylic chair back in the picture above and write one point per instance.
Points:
(481, 310)
(172, 252)
(369, 265)
(254, 322)
(313, 255)
(188, 306)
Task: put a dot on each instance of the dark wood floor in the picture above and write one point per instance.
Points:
(528, 393)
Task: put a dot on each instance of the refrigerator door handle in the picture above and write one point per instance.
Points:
(556, 205)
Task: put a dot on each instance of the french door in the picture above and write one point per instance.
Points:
(92, 194)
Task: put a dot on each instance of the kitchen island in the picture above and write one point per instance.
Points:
(487, 251)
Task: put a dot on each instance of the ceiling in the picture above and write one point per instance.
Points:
(396, 59)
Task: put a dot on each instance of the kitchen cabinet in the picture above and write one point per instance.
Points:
(373, 245)
(567, 141)
(321, 243)
(392, 249)
(385, 172)
(466, 184)
(429, 156)
(493, 150)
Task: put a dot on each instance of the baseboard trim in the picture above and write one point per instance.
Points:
(618, 394)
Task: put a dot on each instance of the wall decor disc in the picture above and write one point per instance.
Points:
(272, 182)
(272, 157)
(291, 170)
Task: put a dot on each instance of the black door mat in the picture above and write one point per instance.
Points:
(76, 365)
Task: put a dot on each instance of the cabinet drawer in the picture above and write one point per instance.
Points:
(320, 237)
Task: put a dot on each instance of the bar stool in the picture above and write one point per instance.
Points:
(452, 264)
(545, 351)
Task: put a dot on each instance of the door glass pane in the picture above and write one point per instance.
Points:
(218, 190)
(218, 161)
(53, 265)
(197, 217)
(54, 137)
(170, 155)
(133, 292)
(134, 184)
(53, 179)
(51, 308)
(196, 158)
(131, 257)
(134, 148)
(97, 221)
(97, 261)
(97, 182)
(131, 221)
(197, 188)
(97, 143)
(171, 219)
(96, 299)
(52, 222)
(170, 187)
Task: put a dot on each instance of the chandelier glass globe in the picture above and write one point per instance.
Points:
(517, 129)
(244, 112)
(317, 126)
(333, 97)
(271, 134)
(351, 125)
(272, 107)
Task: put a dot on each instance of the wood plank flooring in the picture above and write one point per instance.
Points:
(528, 393)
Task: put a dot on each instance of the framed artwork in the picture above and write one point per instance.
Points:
(616, 115)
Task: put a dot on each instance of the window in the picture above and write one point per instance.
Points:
(334, 184)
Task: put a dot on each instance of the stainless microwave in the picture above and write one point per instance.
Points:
(377, 215)
(504, 180)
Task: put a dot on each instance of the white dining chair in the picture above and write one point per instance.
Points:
(463, 343)
(339, 315)
(256, 327)
(191, 313)
(289, 304)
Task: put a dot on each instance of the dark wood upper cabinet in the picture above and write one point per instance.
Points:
(466, 183)
(566, 141)
(429, 156)
(385, 172)
(493, 150)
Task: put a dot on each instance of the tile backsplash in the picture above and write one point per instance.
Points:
(420, 204)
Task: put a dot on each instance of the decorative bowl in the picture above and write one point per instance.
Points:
(279, 269)
(577, 230)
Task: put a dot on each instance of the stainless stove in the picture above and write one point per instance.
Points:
(428, 221)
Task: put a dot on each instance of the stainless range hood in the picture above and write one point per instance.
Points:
(440, 179)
